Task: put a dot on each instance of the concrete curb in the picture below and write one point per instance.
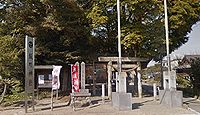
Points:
(193, 111)
(187, 107)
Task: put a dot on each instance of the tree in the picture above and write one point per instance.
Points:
(10, 58)
(142, 25)
(195, 75)
(60, 29)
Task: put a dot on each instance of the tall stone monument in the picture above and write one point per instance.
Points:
(121, 99)
(83, 90)
(109, 79)
(170, 96)
(82, 75)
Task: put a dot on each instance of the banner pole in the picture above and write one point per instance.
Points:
(33, 76)
(52, 100)
(26, 109)
(57, 94)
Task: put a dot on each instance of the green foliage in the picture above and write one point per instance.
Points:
(142, 25)
(44, 94)
(63, 30)
(96, 16)
(14, 98)
(57, 26)
(13, 91)
(183, 81)
(10, 58)
(60, 29)
(195, 75)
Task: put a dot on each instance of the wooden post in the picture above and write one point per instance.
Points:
(65, 82)
(33, 97)
(72, 79)
(103, 93)
(56, 94)
(52, 100)
(109, 79)
(26, 102)
(37, 93)
(94, 80)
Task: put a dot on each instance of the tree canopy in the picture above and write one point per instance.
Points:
(195, 75)
(59, 27)
(69, 30)
(142, 24)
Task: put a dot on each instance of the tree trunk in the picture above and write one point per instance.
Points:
(4, 92)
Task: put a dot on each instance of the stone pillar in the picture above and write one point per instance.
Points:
(165, 79)
(65, 78)
(136, 82)
(172, 79)
(122, 82)
(130, 86)
(169, 80)
(109, 67)
(154, 91)
(139, 80)
(82, 75)
(117, 82)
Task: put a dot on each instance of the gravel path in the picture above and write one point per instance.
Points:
(144, 106)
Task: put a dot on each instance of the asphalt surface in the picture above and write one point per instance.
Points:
(193, 104)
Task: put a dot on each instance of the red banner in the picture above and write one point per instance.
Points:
(75, 79)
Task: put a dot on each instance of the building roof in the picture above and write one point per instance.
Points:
(191, 56)
(43, 67)
(124, 59)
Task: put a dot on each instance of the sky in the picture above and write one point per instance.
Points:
(191, 47)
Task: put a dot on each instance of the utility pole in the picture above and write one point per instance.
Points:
(167, 34)
(119, 41)
(167, 43)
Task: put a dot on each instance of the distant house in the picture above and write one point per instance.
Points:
(174, 63)
(185, 64)
(187, 59)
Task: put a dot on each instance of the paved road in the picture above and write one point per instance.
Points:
(193, 104)
(144, 106)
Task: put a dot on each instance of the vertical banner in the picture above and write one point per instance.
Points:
(55, 77)
(29, 64)
(75, 78)
(55, 82)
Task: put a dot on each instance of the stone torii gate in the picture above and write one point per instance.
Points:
(121, 84)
